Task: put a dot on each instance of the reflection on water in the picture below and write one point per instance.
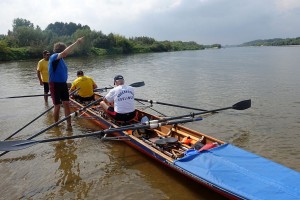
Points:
(70, 184)
(10, 160)
(68, 169)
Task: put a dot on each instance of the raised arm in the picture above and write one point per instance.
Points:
(69, 48)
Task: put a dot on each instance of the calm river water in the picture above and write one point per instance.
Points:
(208, 79)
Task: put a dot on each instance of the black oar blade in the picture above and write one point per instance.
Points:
(138, 84)
(242, 105)
(16, 145)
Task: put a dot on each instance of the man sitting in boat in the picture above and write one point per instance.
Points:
(119, 102)
(86, 87)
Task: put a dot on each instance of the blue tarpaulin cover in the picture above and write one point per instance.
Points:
(242, 173)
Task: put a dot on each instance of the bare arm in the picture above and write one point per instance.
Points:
(105, 100)
(69, 48)
(72, 88)
(39, 77)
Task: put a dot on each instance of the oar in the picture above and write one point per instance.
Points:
(35, 119)
(60, 121)
(242, 105)
(103, 89)
(29, 123)
(168, 104)
(152, 109)
(22, 144)
(137, 84)
(33, 95)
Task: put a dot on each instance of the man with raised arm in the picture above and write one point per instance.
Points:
(58, 76)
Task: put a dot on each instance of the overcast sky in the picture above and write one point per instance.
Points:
(203, 21)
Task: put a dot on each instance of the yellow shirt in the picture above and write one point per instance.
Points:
(42, 67)
(85, 83)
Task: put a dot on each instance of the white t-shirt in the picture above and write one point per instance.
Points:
(123, 97)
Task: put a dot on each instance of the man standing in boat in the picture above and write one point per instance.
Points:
(86, 86)
(42, 73)
(119, 102)
(58, 76)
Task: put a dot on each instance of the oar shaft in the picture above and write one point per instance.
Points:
(64, 119)
(151, 108)
(137, 84)
(242, 105)
(102, 89)
(34, 95)
(169, 104)
(17, 145)
(58, 122)
(195, 114)
(179, 106)
(37, 118)
(29, 123)
(22, 144)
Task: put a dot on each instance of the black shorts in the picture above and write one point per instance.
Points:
(82, 99)
(59, 92)
(46, 87)
(120, 116)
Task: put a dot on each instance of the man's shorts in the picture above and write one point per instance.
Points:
(59, 92)
(46, 87)
(120, 116)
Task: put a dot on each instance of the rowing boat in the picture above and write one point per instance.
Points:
(222, 167)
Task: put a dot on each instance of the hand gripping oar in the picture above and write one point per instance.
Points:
(168, 104)
(22, 144)
(137, 84)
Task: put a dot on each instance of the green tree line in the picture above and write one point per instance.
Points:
(26, 41)
(273, 42)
